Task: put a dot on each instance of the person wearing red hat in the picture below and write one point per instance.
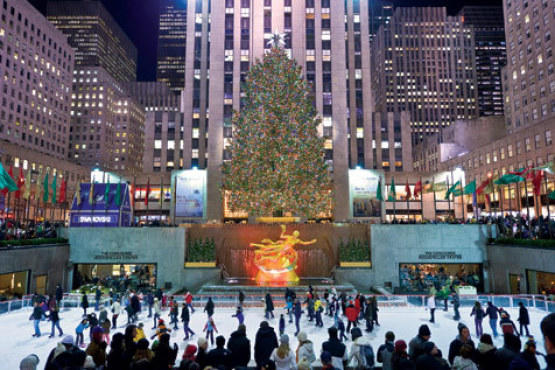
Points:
(400, 358)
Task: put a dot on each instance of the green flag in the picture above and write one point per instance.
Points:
(452, 190)
(508, 178)
(54, 180)
(117, 199)
(6, 181)
(379, 195)
(392, 194)
(45, 189)
(551, 195)
(107, 193)
(549, 167)
(470, 188)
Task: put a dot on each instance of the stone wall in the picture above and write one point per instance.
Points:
(50, 260)
(516, 259)
(164, 247)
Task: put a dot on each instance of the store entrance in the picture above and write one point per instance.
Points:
(421, 277)
(13, 285)
(118, 277)
(540, 282)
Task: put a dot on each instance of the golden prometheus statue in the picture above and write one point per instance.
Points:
(277, 260)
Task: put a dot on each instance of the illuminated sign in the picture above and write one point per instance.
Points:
(190, 193)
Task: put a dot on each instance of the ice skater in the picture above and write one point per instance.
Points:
(174, 312)
(493, 312)
(209, 307)
(79, 338)
(36, 316)
(157, 311)
(209, 328)
(431, 304)
(185, 318)
(523, 318)
(281, 325)
(54, 317)
(479, 315)
(298, 313)
(239, 315)
(189, 301)
(269, 307)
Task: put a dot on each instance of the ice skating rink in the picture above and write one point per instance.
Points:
(16, 329)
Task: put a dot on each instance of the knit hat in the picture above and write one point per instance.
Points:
(201, 342)
(428, 347)
(161, 321)
(356, 333)
(424, 331)
(68, 339)
(60, 348)
(302, 337)
(461, 326)
(400, 346)
(29, 363)
(89, 363)
(190, 351)
(284, 339)
(142, 344)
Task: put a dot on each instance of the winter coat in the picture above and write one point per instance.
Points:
(523, 316)
(431, 302)
(116, 308)
(85, 301)
(37, 313)
(338, 352)
(286, 363)
(385, 354)
(504, 358)
(266, 341)
(60, 357)
(156, 308)
(368, 312)
(507, 326)
(401, 362)
(550, 359)
(297, 311)
(185, 314)
(356, 358)
(240, 347)
(219, 357)
(269, 303)
(461, 363)
(429, 362)
(189, 298)
(59, 293)
(164, 356)
(478, 314)
(306, 350)
(103, 316)
(456, 345)
(492, 312)
(416, 347)
(486, 356)
(54, 316)
(98, 352)
(210, 326)
(526, 360)
(202, 358)
(209, 308)
(351, 313)
(135, 303)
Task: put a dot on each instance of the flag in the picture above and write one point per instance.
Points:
(483, 186)
(520, 172)
(470, 188)
(537, 182)
(6, 181)
(62, 196)
(551, 195)
(391, 195)
(379, 195)
(20, 183)
(117, 199)
(45, 189)
(27, 191)
(107, 193)
(417, 188)
(510, 178)
(549, 167)
(54, 185)
(161, 192)
(91, 193)
(452, 190)
(407, 190)
(78, 194)
(147, 191)
(38, 189)
(440, 186)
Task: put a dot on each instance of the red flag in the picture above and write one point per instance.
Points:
(62, 194)
(147, 191)
(488, 201)
(521, 171)
(483, 185)
(407, 190)
(537, 182)
(418, 188)
(20, 183)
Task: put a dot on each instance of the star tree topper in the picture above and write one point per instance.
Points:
(277, 40)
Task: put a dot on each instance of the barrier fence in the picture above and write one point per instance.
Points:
(539, 302)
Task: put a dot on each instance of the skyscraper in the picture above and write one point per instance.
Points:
(424, 62)
(171, 43)
(491, 55)
(379, 12)
(96, 37)
(329, 41)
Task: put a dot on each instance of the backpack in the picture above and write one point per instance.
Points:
(365, 357)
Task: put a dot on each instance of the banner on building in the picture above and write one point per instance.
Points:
(190, 193)
(363, 186)
(107, 205)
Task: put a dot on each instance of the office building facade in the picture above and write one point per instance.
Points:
(96, 37)
(491, 55)
(172, 34)
(424, 63)
(36, 67)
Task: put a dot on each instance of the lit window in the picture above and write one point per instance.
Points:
(157, 144)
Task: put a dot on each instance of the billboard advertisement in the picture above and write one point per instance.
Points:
(104, 206)
(363, 185)
(190, 194)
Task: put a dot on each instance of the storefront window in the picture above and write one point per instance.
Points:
(420, 278)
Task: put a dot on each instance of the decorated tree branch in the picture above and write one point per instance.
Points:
(277, 160)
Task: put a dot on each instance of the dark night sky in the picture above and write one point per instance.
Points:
(139, 19)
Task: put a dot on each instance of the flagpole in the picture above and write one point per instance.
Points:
(421, 202)
(408, 206)
(463, 202)
(475, 202)
(548, 200)
(448, 198)
(434, 191)
(527, 205)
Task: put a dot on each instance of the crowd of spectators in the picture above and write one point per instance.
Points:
(13, 230)
(420, 279)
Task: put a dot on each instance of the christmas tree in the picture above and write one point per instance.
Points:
(277, 161)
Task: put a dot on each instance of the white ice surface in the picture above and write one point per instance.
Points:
(16, 340)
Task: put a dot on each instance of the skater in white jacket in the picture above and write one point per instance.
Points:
(431, 303)
(116, 310)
